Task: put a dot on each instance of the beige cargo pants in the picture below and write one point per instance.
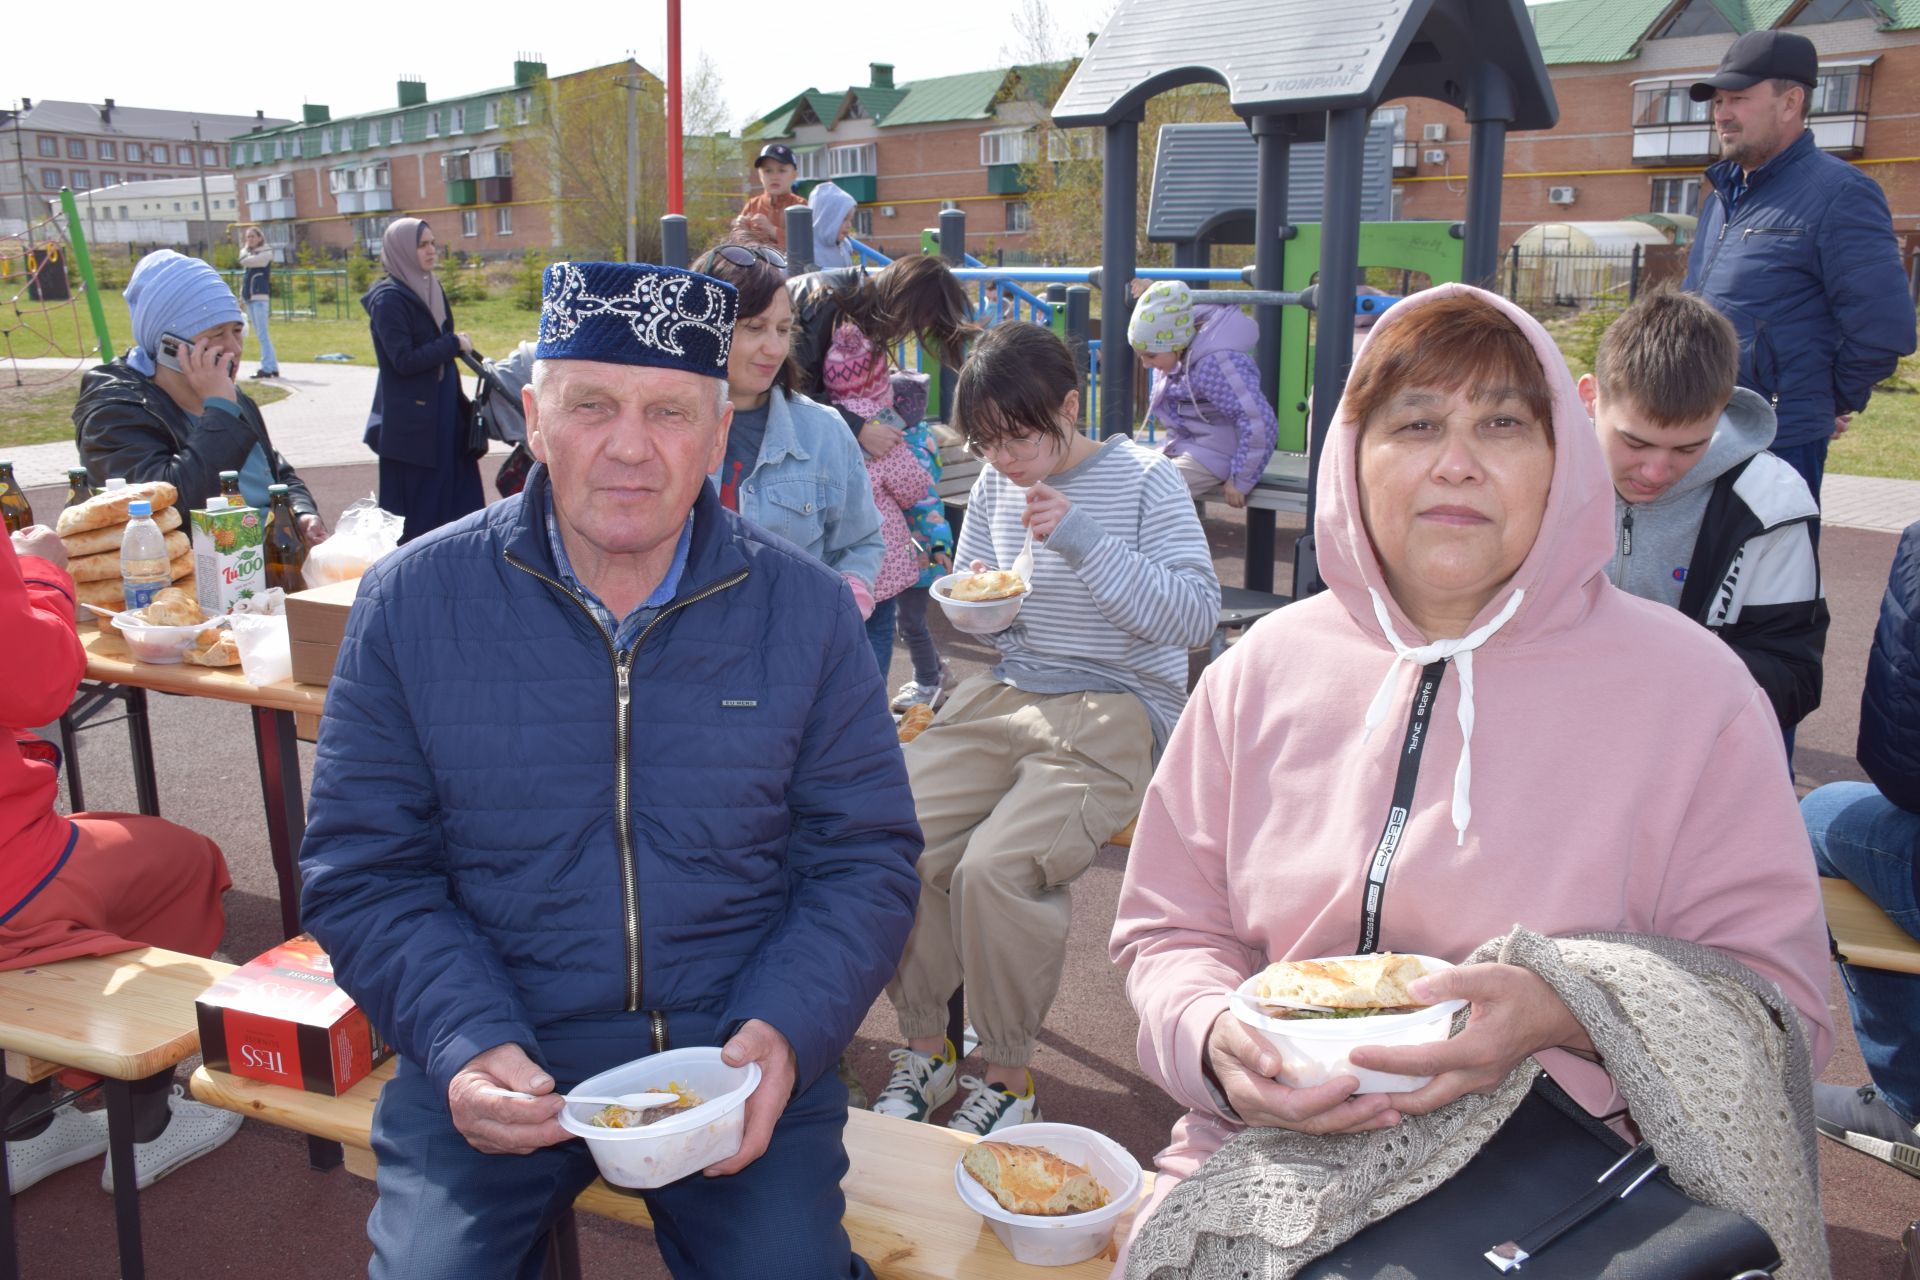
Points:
(1015, 794)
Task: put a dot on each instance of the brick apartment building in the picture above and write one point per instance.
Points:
(85, 145)
(328, 182)
(1630, 141)
(907, 151)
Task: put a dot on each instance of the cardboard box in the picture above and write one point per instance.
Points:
(229, 556)
(280, 1018)
(316, 623)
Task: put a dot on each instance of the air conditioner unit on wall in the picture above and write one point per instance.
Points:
(1561, 195)
(886, 211)
(1434, 132)
(1436, 156)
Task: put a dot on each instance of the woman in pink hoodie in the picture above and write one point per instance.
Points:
(1590, 761)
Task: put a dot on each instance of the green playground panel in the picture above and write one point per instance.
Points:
(1426, 247)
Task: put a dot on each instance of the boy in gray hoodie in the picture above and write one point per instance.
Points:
(1705, 519)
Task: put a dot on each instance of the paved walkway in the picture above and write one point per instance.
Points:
(319, 425)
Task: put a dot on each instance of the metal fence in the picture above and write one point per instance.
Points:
(306, 293)
(1552, 278)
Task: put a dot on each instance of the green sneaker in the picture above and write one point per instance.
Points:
(989, 1107)
(920, 1083)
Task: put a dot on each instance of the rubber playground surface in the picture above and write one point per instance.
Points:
(255, 1209)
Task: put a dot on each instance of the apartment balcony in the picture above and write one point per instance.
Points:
(1005, 180)
(1406, 158)
(1690, 143)
(350, 201)
(461, 191)
(493, 190)
(1843, 135)
(270, 210)
(376, 200)
(863, 187)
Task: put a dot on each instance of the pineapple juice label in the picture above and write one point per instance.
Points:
(229, 556)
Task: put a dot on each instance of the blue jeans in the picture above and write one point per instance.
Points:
(258, 309)
(1861, 836)
(1809, 459)
(880, 636)
(447, 1212)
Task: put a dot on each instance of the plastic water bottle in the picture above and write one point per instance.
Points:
(143, 558)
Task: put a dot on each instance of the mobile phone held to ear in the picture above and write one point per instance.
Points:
(172, 347)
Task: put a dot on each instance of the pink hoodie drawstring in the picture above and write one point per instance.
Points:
(1461, 651)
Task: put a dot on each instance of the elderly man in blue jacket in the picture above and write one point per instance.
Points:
(605, 772)
(1796, 247)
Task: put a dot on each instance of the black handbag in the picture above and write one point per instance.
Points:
(1555, 1195)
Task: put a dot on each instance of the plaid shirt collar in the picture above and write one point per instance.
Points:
(625, 631)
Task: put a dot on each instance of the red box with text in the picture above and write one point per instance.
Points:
(280, 1018)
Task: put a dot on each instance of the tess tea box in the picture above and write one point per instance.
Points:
(229, 556)
(281, 1019)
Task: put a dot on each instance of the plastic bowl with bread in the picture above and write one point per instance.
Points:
(681, 1144)
(980, 617)
(1058, 1239)
(1314, 1049)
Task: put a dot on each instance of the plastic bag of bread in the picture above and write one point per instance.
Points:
(1033, 1180)
(362, 535)
(915, 721)
(261, 644)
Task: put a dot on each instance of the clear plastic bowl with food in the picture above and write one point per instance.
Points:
(683, 1142)
(1069, 1238)
(1314, 1050)
(977, 617)
(159, 645)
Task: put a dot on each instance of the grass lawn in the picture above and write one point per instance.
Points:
(42, 411)
(497, 326)
(1884, 439)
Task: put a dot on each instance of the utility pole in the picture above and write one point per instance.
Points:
(206, 205)
(632, 84)
(26, 192)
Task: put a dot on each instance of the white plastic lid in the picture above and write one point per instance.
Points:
(116, 482)
(139, 507)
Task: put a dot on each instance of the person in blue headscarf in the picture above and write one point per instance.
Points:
(169, 408)
(419, 420)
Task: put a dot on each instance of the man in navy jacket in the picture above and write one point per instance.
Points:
(1797, 248)
(605, 772)
(1869, 833)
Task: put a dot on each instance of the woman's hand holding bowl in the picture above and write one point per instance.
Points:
(1514, 1015)
(1245, 1067)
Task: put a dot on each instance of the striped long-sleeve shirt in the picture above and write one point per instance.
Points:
(1120, 591)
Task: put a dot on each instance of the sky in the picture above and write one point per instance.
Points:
(274, 57)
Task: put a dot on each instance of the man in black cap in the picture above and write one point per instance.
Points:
(1796, 247)
(764, 217)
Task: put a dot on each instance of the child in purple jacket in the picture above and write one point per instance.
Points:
(1220, 430)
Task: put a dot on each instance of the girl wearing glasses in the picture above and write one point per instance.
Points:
(790, 464)
(1028, 770)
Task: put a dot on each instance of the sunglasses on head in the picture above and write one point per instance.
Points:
(743, 255)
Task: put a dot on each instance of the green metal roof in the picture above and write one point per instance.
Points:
(825, 105)
(1613, 30)
(1902, 15)
(962, 97)
(877, 101)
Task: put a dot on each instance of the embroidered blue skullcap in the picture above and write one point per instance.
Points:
(637, 313)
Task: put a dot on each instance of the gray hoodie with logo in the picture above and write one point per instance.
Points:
(1731, 546)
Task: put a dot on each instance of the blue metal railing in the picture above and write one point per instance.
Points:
(866, 253)
(1038, 309)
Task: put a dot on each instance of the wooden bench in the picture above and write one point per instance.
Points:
(902, 1211)
(123, 1017)
(1863, 934)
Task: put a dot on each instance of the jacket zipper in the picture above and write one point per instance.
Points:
(1626, 538)
(622, 795)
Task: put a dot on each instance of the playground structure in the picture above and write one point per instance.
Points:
(41, 273)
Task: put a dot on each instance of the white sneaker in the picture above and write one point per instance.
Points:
(921, 1083)
(989, 1107)
(193, 1130)
(72, 1136)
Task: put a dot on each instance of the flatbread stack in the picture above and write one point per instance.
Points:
(993, 584)
(1375, 983)
(92, 531)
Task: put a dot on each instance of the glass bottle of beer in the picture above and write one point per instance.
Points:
(79, 488)
(13, 503)
(230, 490)
(286, 549)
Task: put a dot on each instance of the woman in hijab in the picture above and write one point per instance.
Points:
(418, 425)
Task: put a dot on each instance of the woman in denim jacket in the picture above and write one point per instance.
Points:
(791, 465)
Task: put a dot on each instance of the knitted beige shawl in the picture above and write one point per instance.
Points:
(1710, 1058)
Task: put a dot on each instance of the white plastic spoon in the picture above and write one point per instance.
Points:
(631, 1101)
(1023, 563)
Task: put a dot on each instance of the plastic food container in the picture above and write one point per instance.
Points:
(977, 617)
(1073, 1237)
(159, 645)
(669, 1149)
(1314, 1050)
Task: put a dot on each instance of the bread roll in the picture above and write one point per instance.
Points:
(175, 608)
(109, 506)
(106, 564)
(95, 541)
(915, 721)
(222, 651)
(1033, 1180)
(994, 584)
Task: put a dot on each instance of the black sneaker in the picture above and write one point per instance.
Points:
(1858, 1117)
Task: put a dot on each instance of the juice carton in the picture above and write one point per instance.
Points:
(229, 558)
(280, 1018)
